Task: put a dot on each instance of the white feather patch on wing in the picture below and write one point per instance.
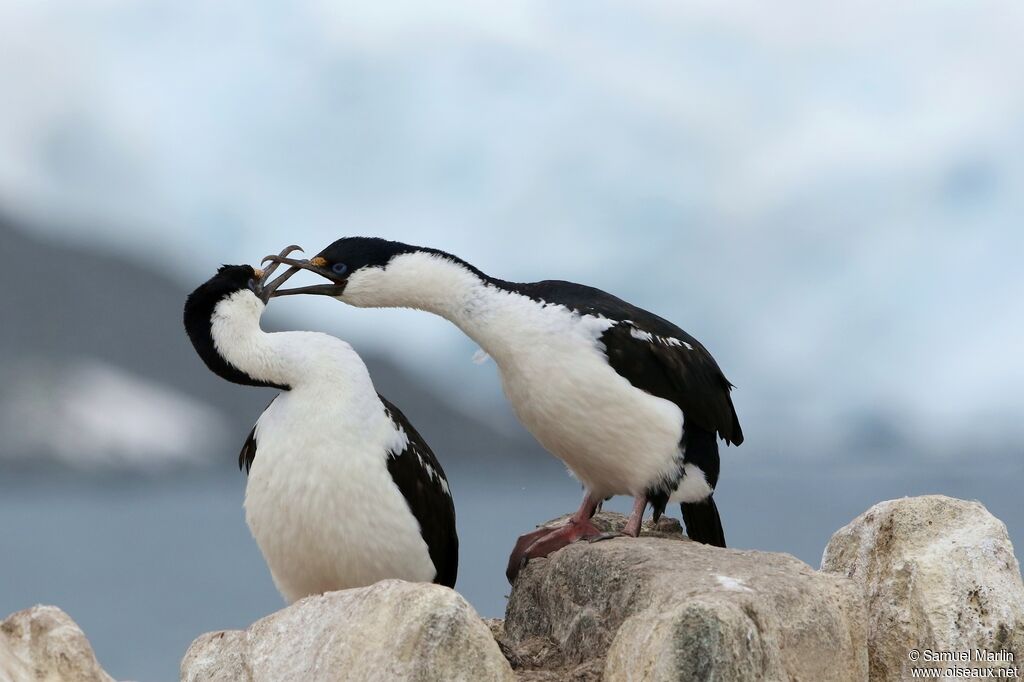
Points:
(642, 335)
(400, 443)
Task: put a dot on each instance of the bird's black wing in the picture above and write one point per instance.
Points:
(653, 354)
(248, 452)
(676, 368)
(419, 476)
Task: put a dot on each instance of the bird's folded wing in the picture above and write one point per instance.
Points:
(420, 478)
(677, 369)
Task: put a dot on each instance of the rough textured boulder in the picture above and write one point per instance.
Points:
(392, 630)
(660, 607)
(937, 573)
(43, 644)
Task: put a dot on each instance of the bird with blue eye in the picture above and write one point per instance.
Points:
(630, 402)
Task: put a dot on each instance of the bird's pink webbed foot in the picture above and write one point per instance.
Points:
(543, 541)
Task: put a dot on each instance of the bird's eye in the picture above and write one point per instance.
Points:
(339, 268)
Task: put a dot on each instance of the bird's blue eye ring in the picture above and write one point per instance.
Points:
(339, 268)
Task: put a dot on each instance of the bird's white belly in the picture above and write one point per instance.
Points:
(614, 437)
(327, 516)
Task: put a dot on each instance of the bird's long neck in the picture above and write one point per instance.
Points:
(240, 351)
(447, 287)
(240, 343)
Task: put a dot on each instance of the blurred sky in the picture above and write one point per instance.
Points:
(828, 196)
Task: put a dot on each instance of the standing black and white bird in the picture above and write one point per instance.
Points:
(342, 490)
(631, 403)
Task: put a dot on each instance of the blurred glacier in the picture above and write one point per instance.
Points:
(88, 414)
(829, 197)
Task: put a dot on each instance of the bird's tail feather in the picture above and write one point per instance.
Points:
(703, 523)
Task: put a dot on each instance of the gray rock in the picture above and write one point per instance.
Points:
(937, 574)
(661, 607)
(392, 630)
(217, 657)
(697, 640)
(43, 644)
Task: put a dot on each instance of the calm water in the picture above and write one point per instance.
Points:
(144, 566)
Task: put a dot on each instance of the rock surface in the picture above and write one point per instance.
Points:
(928, 574)
(392, 630)
(937, 573)
(43, 644)
(666, 608)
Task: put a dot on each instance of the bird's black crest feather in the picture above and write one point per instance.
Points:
(361, 252)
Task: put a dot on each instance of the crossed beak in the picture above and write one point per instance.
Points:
(316, 264)
(266, 289)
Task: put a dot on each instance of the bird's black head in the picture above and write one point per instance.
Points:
(350, 254)
(228, 280)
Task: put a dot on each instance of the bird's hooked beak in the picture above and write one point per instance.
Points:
(264, 288)
(317, 265)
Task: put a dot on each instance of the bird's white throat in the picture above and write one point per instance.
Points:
(420, 280)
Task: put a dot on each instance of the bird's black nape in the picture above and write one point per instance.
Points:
(198, 319)
(228, 280)
(361, 252)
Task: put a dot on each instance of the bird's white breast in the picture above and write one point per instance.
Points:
(614, 437)
(320, 501)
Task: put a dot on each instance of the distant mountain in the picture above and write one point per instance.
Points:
(96, 370)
